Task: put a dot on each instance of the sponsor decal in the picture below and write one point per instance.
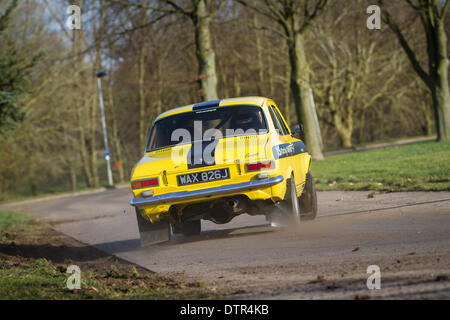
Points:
(288, 149)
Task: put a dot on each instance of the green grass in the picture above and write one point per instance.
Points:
(9, 219)
(34, 260)
(380, 141)
(41, 279)
(417, 167)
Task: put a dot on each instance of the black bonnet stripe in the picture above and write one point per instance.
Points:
(197, 157)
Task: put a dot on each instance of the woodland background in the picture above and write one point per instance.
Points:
(364, 86)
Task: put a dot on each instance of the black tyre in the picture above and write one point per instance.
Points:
(290, 206)
(308, 199)
(188, 228)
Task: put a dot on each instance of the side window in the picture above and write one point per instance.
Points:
(275, 122)
(284, 129)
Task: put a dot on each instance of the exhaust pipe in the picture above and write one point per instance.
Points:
(236, 205)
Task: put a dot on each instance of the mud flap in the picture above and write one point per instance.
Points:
(152, 233)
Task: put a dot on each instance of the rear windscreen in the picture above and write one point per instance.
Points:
(226, 121)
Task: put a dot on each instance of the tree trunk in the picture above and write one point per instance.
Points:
(236, 85)
(83, 148)
(259, 56)
(300, 90)
(441, 94)
(207, 77)
(286, 91)
(141, 83)
(223, 79)
(346, 137)
(93, 141)
(428, 126)
(73, 178)
(115, 134)
(345, 134)
(94, 106)
(270, 75)
(433, 21)
(82, 108)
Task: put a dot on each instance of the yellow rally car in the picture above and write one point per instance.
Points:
(216, 160)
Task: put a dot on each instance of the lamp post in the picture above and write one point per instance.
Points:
(105, 137)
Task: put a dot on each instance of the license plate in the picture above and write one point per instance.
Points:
(203, 176)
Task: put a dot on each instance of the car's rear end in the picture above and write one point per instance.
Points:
(207, 172)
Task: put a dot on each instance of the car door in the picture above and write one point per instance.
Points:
(290, 143)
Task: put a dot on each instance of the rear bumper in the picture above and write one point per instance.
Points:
(186, 195)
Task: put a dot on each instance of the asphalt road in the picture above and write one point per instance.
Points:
(406, 234)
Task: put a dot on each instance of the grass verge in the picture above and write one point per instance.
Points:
(34, 259)
(416, 167)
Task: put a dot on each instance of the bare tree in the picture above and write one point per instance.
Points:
(432, 14)
(295, 18)
(200, 13)
(349, 64)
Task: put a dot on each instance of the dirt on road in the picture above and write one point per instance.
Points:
(407, 235)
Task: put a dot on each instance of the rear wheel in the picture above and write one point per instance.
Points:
(188, 228)
(290, 206)
(308, 199)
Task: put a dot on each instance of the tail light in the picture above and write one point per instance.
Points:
(263, 165)
(145, 183)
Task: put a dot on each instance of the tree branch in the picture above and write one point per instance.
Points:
(406, 47)
(318, 10)
(444, 11)
(138, 5)
(59, 21)
(278, 32)
(179, 9)
(414, 6)
(257, 9)
(273, 8)
(213, 12)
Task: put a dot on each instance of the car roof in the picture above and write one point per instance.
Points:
(257, 101)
